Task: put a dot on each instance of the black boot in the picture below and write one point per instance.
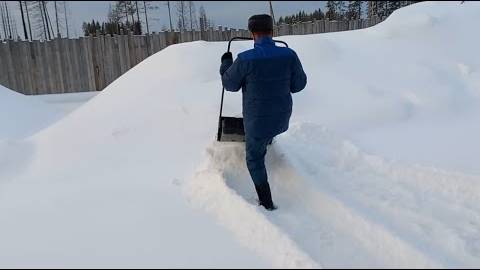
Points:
(265, 196)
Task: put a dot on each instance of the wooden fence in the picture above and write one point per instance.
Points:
(92, 63)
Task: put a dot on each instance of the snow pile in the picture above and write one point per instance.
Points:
(66, 102)
(22, 116)
(134, 178)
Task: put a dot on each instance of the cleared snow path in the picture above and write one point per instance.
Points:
(344, 209)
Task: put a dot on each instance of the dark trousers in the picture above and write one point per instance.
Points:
(256, 149)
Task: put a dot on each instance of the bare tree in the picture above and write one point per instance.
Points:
(48, 24)
(66, 17)
(114, 15)
(14, 28)
(131, 10)
(193, 15)
(2, 15)
(126, 8)
(37, 19)
(149, 5)
(182, 15)
(8, 20)
(4, 24)
(124, 5)
(146, 16)
(205, 22)
(136, 10)
(23, 20)
(271, 11)
(169, 15)
(122, 10)
(28, 20)
(56, 19)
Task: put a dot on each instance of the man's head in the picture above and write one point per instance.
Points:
(260, 26)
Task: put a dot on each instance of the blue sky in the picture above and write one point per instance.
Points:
(228, 13)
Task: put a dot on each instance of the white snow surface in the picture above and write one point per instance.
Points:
(22, 116)
(378, 169)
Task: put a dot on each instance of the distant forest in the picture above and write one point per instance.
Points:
(47, 20)
(347, 10)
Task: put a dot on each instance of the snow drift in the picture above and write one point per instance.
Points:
(22, 116)
(363, 178)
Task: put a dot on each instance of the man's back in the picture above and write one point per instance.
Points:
(267, 75)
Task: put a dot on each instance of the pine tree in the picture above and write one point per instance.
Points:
(354, 10)
(318, 14)
(392, 6)
(331, 13)
(280, 20)
(381, 9)
(341, 10)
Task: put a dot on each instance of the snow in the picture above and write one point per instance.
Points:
(378, 169)
(67, 102)
(21, 117)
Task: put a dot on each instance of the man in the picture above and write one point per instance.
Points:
(267, 75)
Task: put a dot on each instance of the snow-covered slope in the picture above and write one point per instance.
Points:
(66, 102)
(22, 116)
(134, 177)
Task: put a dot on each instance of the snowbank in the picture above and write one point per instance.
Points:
(66, 102)
(21, 116)
(127, 179)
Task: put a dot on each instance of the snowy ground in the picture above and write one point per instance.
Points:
(66, 102)
(379, 168)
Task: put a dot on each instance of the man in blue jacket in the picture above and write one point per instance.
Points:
(267, 75)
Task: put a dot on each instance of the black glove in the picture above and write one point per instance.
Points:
(227, 55)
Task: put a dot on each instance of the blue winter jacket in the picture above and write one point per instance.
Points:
(267, 74)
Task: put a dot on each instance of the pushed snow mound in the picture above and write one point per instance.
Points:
(118, 182)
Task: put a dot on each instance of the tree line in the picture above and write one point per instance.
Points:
(132, 16)
(46, 20)
(43, 20)
(347, 10)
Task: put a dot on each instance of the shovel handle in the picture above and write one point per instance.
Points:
(249, 38)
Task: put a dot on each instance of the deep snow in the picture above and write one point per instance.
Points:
(379, 168)
(22, 116)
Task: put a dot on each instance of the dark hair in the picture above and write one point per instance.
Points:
(261, 23)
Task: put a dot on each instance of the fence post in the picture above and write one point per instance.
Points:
(12, 78)
(16, 56)
(90, 64)
(38, 66)
(28, 55)
(108, 59)
(50, 63)
(66, 65)
(162, 40)
(75, 54)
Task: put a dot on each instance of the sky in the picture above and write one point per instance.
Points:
(226, 13)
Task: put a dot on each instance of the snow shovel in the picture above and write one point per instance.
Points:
(230, 129)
